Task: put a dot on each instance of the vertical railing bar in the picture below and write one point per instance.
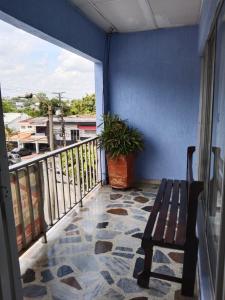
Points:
(100, 164)
(96, 162)
(20, 209)
(30, 203)
(41, 203)
(73, 176)
(93, 162)
(55, 186)
(89, 165)
(62, 183)
(78, 172)
(86, 171)
(82, 171)
(49, 195)
(94, 172)
(68, 180)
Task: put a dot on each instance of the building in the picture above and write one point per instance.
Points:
(19, 104)
(34, 131)
(12, 120)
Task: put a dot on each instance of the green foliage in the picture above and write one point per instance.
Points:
(84, 106)
(41, 96)
(55, 103)
(89, 164)
(117, 138)
(30, 112)
(8, 106)
(28, 103)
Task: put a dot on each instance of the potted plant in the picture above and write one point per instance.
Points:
(121, 142)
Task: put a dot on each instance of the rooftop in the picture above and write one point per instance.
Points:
(9, 117)
(68, 119)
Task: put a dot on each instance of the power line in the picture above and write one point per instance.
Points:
(59, 94)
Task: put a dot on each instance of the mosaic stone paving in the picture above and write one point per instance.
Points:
(96, 254)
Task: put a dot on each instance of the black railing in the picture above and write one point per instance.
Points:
(46, 188)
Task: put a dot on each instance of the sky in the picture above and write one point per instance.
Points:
(30, 64)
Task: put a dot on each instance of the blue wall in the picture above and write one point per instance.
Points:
(153, 76)
(57, 21)
(207, 15)
(154, 83)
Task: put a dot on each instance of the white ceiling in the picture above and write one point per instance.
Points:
(139, 15)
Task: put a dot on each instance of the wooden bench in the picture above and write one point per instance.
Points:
(172, 224)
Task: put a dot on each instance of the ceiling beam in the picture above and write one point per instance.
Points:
(112, 26)
(148, 2)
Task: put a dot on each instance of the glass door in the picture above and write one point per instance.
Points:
(217, 154)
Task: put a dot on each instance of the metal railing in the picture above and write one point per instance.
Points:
(46, 188)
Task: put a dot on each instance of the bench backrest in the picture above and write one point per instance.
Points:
(194, 188)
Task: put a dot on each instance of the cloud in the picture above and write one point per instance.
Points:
(29, 64)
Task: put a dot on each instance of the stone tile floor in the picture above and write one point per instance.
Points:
(94, 252)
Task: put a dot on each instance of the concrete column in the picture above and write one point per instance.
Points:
(10, 277)
(37, 147)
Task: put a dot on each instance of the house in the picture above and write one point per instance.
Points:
(19, 104)
(35, 131)
(11, 120)
(159, 64)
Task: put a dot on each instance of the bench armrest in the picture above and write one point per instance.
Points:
(189, 175)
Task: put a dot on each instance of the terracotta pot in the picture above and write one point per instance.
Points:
(121, 171)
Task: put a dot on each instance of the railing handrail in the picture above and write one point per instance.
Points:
(48, 155)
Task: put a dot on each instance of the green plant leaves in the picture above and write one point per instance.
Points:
(117, 138)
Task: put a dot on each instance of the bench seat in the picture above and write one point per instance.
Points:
(167, 223)
(172, 224)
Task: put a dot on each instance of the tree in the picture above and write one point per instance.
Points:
(8, 106)
(30, 112)
(37, 98)
(55, 103)
(41, 96)
(84, 106)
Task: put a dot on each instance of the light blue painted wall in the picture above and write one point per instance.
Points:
(154, 83)
(207, 14)
(57, 21)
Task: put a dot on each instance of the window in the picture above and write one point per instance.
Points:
(217, 154)
(212, 150)
(206, 114)
(75, 135)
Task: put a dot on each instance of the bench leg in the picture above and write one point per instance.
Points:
(143, 277)
(189, 269)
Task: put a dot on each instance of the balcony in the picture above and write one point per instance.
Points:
(83, 239)
(76, 238)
